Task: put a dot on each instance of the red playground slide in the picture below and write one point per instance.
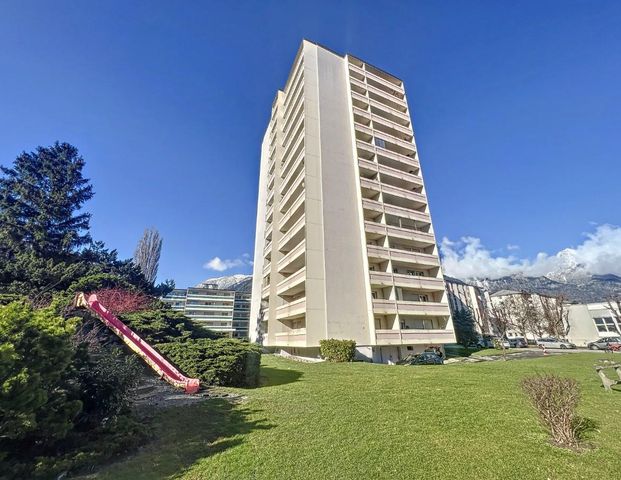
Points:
(156, 361)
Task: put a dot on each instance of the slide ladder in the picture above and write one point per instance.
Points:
(155, 360)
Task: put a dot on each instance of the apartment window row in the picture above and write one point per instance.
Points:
(203, 313)
(206, 302)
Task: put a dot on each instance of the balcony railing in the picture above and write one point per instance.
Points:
(292, 256)
(291, 282)
(395, 141)
(292, 338)
(414, 336)
(292, 232)
(416, 258)
(265, 292)
(389, 110)
(293, 309)
(292, 215)
(393, 210)
(411, 308)
(428, 284)
(382, 229)
(294, 191)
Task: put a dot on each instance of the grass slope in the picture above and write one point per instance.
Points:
(350, 421)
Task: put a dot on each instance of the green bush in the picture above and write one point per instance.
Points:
(165, 326)
(226, 361)
(334, 350)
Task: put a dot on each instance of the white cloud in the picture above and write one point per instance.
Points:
(599, 253)
(220, 265)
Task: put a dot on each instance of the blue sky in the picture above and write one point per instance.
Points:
(516, 108)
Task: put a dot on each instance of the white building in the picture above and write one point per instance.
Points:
(590, 321)
(463, 296)
(344, 244)
(224, 311)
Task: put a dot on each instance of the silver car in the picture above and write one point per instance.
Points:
(551, 342)
(604, 343)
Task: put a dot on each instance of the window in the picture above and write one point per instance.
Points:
(374, 295)
(380, 143)
(606, 324)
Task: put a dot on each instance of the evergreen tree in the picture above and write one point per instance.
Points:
(41, 197)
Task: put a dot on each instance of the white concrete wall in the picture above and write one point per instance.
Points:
(345, 276)
(259, 242)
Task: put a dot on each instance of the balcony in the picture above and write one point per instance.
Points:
(381, 229)
(405, 145)
(267, 268)
(432, 309)
(294, 260)
(388, 111)
(392, 172)
(406, 161)
(392, 101)
(387, 279)
(366, 148)
(268, 231)
(292, 284)
(292, 156)
(415, 258)
(358, 99)
(292, 338)
(269, 213)
(413, 336)
(268, 249)
(390, 124)
(293, 236)
(419, 198)
(361, 128)
(395, 85)
(418, 282)
(270, 182)
(297, 188)
(379, 207)
(293, 214)
(265, 292)
(290, 310)
(292, 173)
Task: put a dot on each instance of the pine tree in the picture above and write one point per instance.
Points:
(41, 197)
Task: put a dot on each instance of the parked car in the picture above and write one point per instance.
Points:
(425, 358)
(551, 342)
(518, 342)
(604, 343)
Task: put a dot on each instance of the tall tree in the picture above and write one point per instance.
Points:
(41, 197)
(147, 255)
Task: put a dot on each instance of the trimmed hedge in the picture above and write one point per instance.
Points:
(334, 350)
(226, 361)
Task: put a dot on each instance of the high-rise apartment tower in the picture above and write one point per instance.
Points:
(344, 242)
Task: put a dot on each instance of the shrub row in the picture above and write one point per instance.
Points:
(225, 361)
(338, 350)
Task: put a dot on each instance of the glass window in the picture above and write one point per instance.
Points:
(380, 143)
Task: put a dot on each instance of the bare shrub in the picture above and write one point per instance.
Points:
(555, 399)
(120, 301)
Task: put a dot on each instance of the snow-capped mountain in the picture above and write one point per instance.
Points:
(575, 284)
(239, 282)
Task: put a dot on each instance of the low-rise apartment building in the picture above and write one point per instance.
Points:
(225, 311)
(476, 300)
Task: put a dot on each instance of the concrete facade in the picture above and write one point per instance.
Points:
(344, 242)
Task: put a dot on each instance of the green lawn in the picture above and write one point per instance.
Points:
(354, 421)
